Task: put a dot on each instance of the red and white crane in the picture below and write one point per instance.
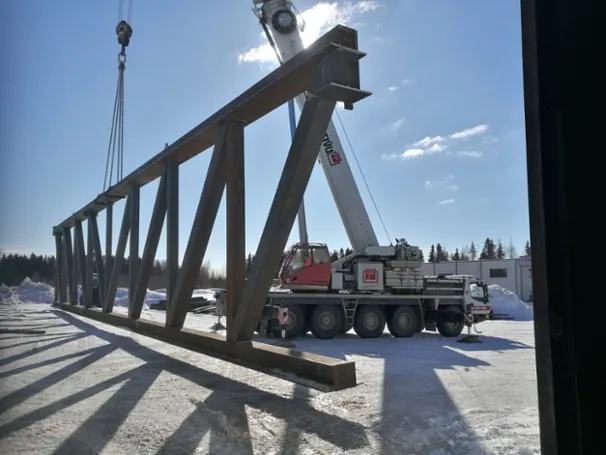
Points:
(375, 285)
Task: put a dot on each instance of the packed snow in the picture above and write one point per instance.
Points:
(86, 387)
(507, 302)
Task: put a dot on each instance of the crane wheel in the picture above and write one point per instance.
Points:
(296, 324)
(326, 321)
(369, 321)
(403, 322)
(450, 329)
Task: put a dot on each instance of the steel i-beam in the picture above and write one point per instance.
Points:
(172, 228)
(58, 267)
(69, 258)
(80, 253)
(90, 265)
(235, 211)
(133, 243)
(109, 226)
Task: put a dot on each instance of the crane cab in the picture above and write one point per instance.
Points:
(306, 268)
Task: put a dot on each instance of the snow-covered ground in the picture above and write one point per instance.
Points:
(85, 387)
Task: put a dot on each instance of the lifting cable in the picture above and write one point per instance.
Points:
(115, 149)
(353, 152)
(374, 203)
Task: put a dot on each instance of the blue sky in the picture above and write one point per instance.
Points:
(441, 141)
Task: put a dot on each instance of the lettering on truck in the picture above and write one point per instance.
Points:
(333, 156)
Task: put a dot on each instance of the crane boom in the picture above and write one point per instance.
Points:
(280, 24)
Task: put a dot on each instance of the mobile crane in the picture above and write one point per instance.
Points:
(374, 286)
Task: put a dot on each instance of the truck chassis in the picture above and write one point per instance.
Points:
(326, 315)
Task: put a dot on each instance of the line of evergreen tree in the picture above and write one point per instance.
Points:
(14, 268)
(490, 250)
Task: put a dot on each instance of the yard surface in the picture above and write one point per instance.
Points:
(88, 388)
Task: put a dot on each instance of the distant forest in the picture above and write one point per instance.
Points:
(14, 268)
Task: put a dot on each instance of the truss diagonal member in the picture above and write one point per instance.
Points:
(201, 230)
(287, 200)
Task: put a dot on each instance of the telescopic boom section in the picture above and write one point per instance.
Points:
(279, 20)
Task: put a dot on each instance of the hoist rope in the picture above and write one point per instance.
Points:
(353, 152)
(115, 149)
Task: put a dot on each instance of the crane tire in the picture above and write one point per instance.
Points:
(450, 329)
(326, 321)
(296, 325)
(404, 322)
(369, 321)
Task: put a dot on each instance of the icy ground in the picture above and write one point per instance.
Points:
(88, 388)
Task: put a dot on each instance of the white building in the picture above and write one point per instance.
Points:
(512, 274)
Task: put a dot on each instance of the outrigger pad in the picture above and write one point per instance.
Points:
(217, 326)
(470, 339)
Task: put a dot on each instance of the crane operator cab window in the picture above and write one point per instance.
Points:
(299, 260)
(321, 256)
(306, 257)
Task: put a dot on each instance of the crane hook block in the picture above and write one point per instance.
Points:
(124, 32)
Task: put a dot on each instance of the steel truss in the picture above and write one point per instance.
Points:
(329, 72)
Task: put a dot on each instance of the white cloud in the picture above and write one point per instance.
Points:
(394, 126)
(390, 156)
(412, 153)
(380, 39)
(437, 144)
(403, 83)
(436, 148)
(446, 202)
(445, 184)
(474, 131)
(427, 141)
(318, 20)
(473, 154)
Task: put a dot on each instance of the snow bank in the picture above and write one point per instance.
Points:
(27, 292)
(504, 301)
(30, 292)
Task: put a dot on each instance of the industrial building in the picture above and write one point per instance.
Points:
(512, 274)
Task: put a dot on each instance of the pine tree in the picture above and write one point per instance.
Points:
(510, 251)
(527, 250)
(456, 256)
(348, 251)
(500, 253)
(421, 255)
(491, 249)
(432, 255)
(484, 252)
(334, 256)
(249, 261)
(341, 253)
(439, 253)
(473, 252)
